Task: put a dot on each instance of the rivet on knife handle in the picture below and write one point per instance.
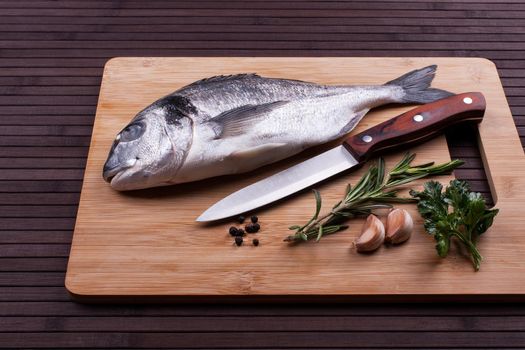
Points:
(417, 125)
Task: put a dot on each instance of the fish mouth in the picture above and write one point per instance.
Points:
(115, 175)
(109, 174)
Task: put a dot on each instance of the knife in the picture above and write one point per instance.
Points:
(414, 126)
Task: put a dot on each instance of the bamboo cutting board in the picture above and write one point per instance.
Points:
(146, 245)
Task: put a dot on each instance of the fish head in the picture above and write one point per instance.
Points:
(150, 149)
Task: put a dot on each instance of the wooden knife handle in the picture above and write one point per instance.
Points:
(417, 125)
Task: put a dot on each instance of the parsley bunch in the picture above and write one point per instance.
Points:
(456, 212)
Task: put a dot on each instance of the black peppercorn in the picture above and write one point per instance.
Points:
(254, 219)
(233, 231)
(240, 232)
(238, 241)
(255, 242)
(256, 227)
(249, 228)
(241, 219)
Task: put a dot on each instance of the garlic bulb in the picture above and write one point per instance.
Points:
(372, 235)
(399, 226)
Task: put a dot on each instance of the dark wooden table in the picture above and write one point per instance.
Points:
(51, 59)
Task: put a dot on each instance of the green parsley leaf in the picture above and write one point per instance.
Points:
(454, 213)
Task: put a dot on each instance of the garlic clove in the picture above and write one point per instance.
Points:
(372, 235)
(399, 226)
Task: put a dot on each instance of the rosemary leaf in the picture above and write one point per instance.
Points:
(318, 203)
(374, 191)
(320, 234)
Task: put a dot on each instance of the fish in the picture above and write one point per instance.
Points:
(232, 124)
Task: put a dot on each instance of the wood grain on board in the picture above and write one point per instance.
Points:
(147, 244)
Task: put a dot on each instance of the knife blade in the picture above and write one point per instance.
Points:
(415, 126)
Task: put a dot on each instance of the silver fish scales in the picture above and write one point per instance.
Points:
(232, 124)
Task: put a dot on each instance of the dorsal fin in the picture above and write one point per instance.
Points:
(224, 78)
(234, 121)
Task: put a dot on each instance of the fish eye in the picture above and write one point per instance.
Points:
(131, 132)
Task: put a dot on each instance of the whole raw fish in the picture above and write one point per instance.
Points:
(233, 124)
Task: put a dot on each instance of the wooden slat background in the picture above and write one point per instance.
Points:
(51, 59)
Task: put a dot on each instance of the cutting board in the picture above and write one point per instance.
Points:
(146, 246)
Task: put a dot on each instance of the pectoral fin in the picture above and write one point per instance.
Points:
(236, 121)
(353, 122)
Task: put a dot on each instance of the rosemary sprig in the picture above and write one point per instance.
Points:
(373, 191)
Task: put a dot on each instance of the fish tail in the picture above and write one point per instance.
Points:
(416, 86)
